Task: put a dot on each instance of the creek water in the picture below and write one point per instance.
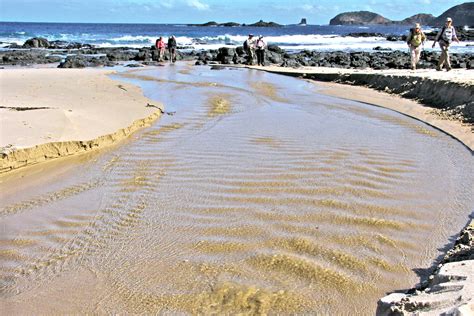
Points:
(259, 195)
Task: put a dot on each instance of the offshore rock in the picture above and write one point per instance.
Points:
(36, 42)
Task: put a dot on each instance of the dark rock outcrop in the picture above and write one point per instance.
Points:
(303, 22)
(81, 61)
(36, 42)
(381, 58)
(30, 57)
(358, 18)
(462, 14)
(261, 23)
(214, 23)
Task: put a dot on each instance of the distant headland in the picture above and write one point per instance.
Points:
(260, 23)
(462, 14)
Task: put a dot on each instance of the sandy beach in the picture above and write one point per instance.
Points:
(334, 195)
(43, 106)
(64, 108)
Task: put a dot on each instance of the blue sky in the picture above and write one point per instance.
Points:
(200, 11)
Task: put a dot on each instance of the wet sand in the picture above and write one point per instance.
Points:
(50, 113)
(259, 196)
(433, 83)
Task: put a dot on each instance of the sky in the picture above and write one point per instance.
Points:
(201, 11)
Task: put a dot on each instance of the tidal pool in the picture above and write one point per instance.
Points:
(259, 195)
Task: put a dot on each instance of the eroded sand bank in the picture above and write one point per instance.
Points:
(51, 113)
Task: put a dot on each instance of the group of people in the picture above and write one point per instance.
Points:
(161, 47)
(445, 37)
(255, 47)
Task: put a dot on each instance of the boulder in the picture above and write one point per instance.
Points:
(275, 48)
(74, 62)
(293, 63)
(80, 61)
(36, 42)
(120, 55)
(274, 57)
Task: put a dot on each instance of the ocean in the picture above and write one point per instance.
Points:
(289, 37)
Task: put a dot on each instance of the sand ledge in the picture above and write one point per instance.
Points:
(13, 158)
(53, 113)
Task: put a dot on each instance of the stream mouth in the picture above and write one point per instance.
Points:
(259, 195)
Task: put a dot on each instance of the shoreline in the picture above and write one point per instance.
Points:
(29, 155)
(52, 113)
(386, 89)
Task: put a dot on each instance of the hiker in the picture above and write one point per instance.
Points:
(249, 47)
(172, 48)
(445, 37)
(415, 40)
(260, 46)
(160, 46)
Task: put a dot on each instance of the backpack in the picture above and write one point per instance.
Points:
(447, 36)
(246, 45)
(411, 38)
(172, 42)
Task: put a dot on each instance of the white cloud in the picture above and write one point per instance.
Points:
(424, 1)
(198, 5)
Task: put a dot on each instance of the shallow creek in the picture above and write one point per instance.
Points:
(259, 195)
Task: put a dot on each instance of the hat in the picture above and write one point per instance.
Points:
(417, 25)
(449, 20)
(250, 35)
(260, 36)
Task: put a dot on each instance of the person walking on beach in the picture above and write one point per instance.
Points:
(172, 48)
(160, 46)
(260, 46)
(415, 40)
(249, 47)
(445, 37)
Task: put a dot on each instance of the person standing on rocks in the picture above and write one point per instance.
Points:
(172, 48)
(445, 37)
(260, 50)
(249, 47)
(161, 46)
(415, 40)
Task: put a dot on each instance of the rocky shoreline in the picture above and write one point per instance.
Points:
(448, 291)
(78, 55)
(453, 100)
